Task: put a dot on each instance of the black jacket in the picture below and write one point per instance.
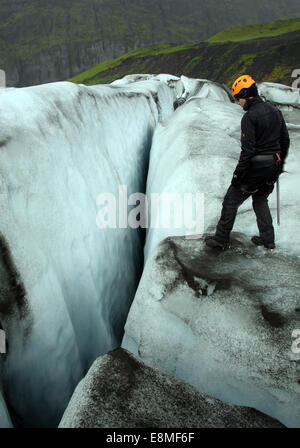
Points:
(263, 132)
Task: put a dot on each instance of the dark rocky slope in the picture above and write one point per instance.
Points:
(50, 40)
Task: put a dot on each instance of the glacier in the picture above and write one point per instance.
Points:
(66, 284)
(223, 323)
(143, 397)
(5, 420)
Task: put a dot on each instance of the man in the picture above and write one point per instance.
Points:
(264, 143)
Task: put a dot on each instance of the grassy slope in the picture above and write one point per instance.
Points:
(93, 75)
(270, 29)
(30, 27)
(268, 59)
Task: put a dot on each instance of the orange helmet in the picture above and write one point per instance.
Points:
(241, 83)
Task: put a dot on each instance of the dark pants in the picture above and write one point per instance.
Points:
(235, 197)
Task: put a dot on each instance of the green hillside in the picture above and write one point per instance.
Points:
(270, 29)
(94, 75)
(51, 40)
(267, 59)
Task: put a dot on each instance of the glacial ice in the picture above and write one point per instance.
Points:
(66, 285)
(279, 93)
(5, 421)
(143, 397)
(286, 98)
(223, 322)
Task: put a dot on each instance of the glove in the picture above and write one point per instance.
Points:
(235, 181)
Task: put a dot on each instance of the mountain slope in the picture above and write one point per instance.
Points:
(49, 40)
(270, 29)
(267, 59)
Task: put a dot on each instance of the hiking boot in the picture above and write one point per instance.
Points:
(259, 242)
(211, 241)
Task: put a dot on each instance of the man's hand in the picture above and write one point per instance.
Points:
(235, 181)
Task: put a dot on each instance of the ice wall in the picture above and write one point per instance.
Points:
(5, 421)
(280, 94)
(195, 151)
(183, 86)
(143, 397)
(66, 285)
(223, 322)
